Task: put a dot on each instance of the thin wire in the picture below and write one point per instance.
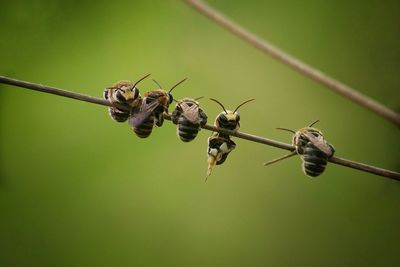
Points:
(295, 63)
(262, 140)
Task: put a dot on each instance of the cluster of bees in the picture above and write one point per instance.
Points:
(145, 112)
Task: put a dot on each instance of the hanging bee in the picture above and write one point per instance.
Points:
(219, 144)
(219, 147)
(151, 111)
(229, 120)
(314, 150)
(189, 117)
(124, 93)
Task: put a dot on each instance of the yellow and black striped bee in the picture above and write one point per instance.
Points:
(124, 93)
(151, 111)
(314, 150)
(219, 147)
(219, 144)
(229, 120)
(189, 118)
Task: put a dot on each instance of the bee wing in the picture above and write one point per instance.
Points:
(144, 112)
(319, 143)
(190, 112)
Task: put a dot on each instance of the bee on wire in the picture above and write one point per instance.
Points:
(312, 147)
(151, 110)
(124, 93)
(219, 144)
(189, 117)
(229, 120)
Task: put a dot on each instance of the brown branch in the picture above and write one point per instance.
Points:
(262, 140)
(295, 63)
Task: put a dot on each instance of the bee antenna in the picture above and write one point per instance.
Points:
(157, 84)
(170, 90)
(247, 101)
(197, 98)
(215, 100)
(313, 123)
(285, 129)
(141, 79)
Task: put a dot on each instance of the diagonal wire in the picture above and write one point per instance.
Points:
(307, 70)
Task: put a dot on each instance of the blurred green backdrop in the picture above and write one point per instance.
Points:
(77, 189)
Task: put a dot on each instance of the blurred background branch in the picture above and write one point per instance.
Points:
(296, 64)
(262, 140)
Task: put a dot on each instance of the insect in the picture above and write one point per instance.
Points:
(124, 93)
(219, 147)
(151, 111)
(229, 120)
(189, 117)
(314, 150)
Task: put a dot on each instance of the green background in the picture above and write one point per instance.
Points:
(77, 189)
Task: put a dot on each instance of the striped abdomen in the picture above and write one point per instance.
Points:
(118, 115)
(145, 129)
(314, 160)
(187, 130)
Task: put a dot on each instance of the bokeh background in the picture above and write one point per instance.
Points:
(77, 189)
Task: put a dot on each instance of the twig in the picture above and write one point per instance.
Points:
(344, 162)
(295, 63)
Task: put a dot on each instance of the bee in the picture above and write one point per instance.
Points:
(219, 144)
(124, 93)
(314, 150)
(219, 147)
(189, 118)
(229, 120)
(151, 110)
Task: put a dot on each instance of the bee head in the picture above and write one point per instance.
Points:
(312, 130)
(189, 101)
(123, 92)
(168, 94)
(128, 92)
(229, 117)
(299, 138)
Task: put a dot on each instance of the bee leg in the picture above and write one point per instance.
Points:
(160, 120)
(175, 116)
(333, 150)
(237, 128)
(105, 94)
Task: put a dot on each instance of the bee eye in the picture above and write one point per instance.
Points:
(223, 118)
(119, 95)
(315, 134)
(171, 98)
(135, 92)
(237, 117)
